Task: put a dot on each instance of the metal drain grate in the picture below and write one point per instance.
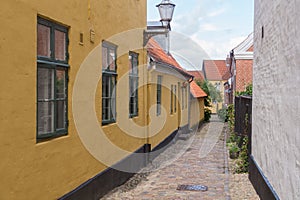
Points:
(193, 187)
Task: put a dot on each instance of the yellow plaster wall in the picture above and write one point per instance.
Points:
(165, 123)
(197, 111)
(48, 170)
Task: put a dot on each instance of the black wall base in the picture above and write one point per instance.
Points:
(260, 182)
(162, 146)
(101, 184)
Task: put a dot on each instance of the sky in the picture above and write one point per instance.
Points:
(206, 29)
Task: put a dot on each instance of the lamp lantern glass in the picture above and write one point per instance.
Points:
(166, 10)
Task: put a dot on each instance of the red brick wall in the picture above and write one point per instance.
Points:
(243, 74)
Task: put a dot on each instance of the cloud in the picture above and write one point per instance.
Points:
(209, 27)
(216, 12)
(218, 49)
(188, 52)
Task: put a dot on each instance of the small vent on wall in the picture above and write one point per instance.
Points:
(92, 36)
(81, 38)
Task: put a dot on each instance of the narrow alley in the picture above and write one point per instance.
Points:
(203, 161)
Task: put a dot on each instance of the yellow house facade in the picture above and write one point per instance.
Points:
(168, 96)
(51, 70)
(82, 106)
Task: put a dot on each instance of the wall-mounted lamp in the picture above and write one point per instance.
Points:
(166, 10)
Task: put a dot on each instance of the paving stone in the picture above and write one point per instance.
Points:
(202, 163)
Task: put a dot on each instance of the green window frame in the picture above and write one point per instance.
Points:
(174, 98)
(109, 82)
(171, 100)
(52, 79)
(182, 98)
(179, 95)
(158, 95)
(133, 84)
(186, 97)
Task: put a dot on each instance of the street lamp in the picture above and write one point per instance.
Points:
(166, 10)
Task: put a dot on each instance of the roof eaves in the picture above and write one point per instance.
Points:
(175, 68)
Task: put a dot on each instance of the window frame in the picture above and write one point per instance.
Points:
(158, 95)
(133, 78)
(174, 98)
(108, 72)
(51, 63)
(171, 100)
(182, 98)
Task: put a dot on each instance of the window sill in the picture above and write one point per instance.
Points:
(51, 137)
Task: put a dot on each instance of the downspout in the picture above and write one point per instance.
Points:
(146, 105)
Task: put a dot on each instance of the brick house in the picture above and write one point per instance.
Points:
(239, 63)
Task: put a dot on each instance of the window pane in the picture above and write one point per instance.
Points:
(45, 83)
(45, 117)
(104, 58)
(60, 45)
(105, 108)
(60, 114)
(43, 40)
(60, 84)
(130, 64)
(135, 66)
(105, 86)
(112, 86)
(112, 57)
(113, 107)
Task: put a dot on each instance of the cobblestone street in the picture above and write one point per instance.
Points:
(200, 160)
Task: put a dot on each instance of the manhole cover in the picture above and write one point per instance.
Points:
(192, 187)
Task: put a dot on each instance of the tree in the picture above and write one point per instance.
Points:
(213, 94)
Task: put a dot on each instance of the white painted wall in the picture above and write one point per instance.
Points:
(276, 94)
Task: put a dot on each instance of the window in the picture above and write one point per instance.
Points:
(186, 96)
(173, 103)
(109, 75)
(158, 95)
(133, 84)
(171, 97)
(182, 98)
(179, 97)
(174, 98)
(52, 79)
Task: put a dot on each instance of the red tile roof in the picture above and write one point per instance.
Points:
(196, 91)
(156, 52)
(214, 70)
(198, 75)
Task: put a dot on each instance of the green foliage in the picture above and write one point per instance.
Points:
(230, 113)
(204, 87)
(235, 142)
(223, 115)
(212, 92)
(212, 95)
(233, 150)
(207, 114)
(247, 92)
(243, 162)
